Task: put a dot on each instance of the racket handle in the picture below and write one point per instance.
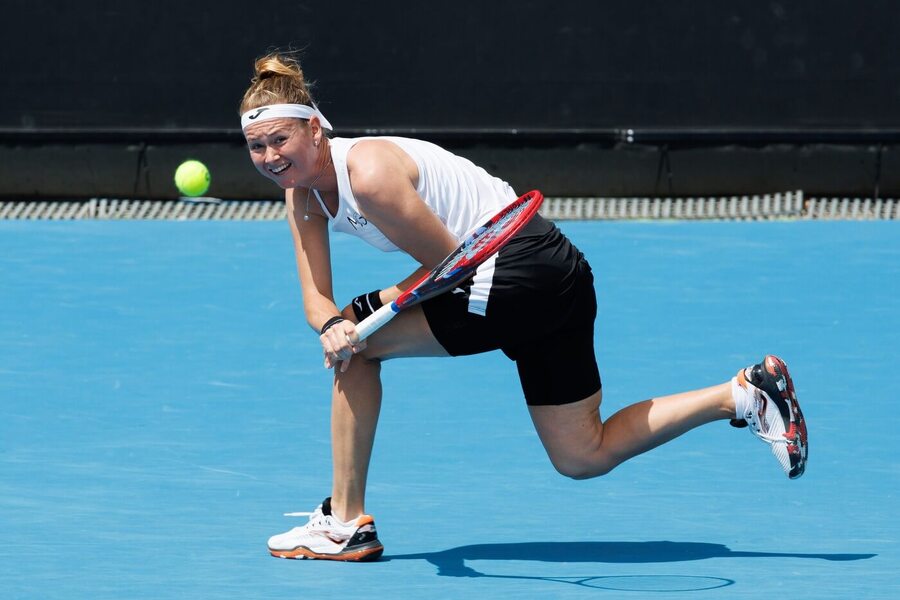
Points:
(376, 321)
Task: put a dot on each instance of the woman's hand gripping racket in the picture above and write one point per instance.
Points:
(462, 262)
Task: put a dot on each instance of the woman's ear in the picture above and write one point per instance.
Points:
(315, 128)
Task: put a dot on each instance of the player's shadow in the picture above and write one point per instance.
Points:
(452, 562)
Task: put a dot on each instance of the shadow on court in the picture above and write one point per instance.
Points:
(451, 563)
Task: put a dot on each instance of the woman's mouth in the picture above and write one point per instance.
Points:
(279, 169)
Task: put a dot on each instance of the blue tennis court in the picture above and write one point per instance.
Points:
(164, 403)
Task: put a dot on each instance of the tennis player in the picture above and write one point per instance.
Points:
(413, 196)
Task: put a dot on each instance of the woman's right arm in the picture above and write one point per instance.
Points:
(313, 255)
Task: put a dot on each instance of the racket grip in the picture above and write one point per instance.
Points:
(375, 321)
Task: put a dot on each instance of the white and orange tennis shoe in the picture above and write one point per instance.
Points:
(325, 537)
(774, 414)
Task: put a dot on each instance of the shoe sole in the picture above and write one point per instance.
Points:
(786, 401)
(368, 553)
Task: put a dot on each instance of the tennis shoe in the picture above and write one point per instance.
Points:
(774, 414)
(325, 537)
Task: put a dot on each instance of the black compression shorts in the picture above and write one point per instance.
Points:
(535, 301)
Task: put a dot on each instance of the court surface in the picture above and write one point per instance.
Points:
(164, 403)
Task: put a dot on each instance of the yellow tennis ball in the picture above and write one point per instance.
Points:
(192, 178)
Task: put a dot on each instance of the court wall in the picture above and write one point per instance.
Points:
(611, 98)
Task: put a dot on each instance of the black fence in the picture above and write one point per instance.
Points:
(580, 86)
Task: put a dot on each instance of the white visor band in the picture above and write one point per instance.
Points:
(281, 111)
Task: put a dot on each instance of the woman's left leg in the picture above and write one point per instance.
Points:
(581, 445)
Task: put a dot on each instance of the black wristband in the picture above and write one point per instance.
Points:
(365, 304)
(330, 323)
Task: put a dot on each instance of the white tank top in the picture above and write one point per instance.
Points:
(460, 193)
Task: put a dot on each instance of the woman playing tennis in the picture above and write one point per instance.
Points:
(413, 196)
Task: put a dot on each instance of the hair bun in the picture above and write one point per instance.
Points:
(277, 66)
(277, 78)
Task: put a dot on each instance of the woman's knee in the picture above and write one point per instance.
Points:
(583, 466)
(368, 354)
(572, 435)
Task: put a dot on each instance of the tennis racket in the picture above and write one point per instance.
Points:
(462, 262)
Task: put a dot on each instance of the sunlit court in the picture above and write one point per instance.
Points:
(162, 413)
(171, 379)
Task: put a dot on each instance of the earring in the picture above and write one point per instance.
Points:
(316, 143)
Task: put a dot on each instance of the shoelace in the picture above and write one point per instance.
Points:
(316, 518)
(317, 525)
(753, 420)
(770, 439)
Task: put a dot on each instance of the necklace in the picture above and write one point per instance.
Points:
(315, 181)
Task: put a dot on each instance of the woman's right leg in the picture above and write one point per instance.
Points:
(356, 403)
(339, 529)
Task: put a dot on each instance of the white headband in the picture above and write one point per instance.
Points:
(280, 111)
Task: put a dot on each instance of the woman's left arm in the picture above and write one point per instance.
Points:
(383, 180)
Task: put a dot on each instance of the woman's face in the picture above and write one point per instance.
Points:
(284, 151)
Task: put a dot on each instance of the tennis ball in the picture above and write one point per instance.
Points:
(192, 178)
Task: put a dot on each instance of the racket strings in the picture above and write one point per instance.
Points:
(482, 239)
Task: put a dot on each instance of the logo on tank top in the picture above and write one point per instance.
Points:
(357, 220)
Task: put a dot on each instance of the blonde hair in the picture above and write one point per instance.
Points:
(277, 79)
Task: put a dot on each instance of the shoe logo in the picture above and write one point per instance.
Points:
(761, 403)
(258, 112)
(333, 537)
